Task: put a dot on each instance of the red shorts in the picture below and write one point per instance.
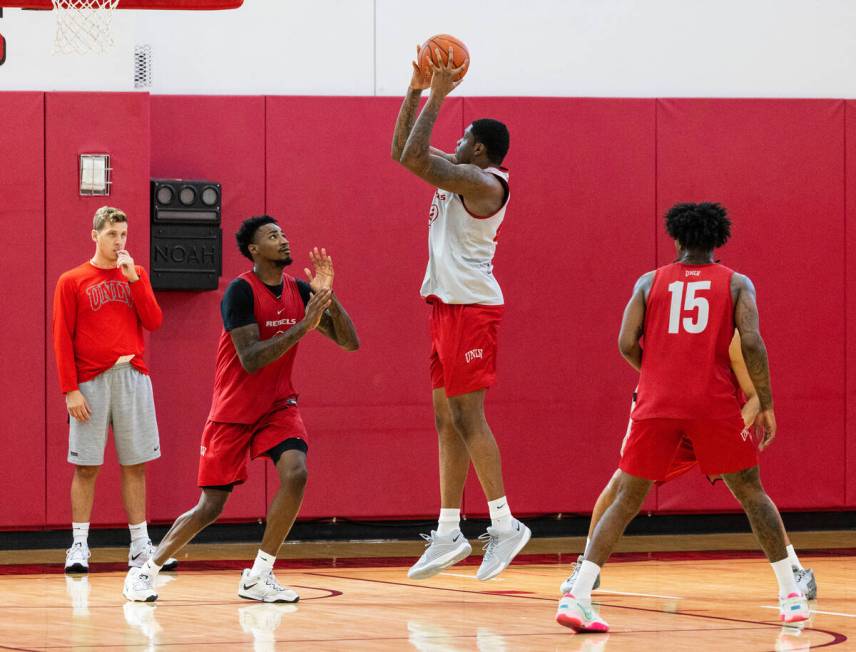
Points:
(463, 346)
(662, 449)
(224, 448)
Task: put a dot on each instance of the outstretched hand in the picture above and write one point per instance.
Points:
(443, 75)
(322, 264)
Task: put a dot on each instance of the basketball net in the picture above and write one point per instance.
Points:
(83, 26)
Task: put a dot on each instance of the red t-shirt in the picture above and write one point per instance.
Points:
(242, 397)
(689, 323)
(97, 318)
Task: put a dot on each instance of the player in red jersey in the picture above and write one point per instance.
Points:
(683, 462)
(676, 332)
(254, 412)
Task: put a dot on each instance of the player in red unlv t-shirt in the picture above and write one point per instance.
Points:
(254, 409)
(676, 332)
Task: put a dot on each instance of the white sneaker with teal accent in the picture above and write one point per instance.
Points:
(441, 551)
(794, 608)
(501, 547)
(579, 615)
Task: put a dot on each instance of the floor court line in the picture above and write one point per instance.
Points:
(837, 637)
(641, 595)
(817, 611)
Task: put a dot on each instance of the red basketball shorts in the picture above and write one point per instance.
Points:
(463, 346)
(225, 446)
(662, 449)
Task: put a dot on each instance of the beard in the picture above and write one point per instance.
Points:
(284, 262)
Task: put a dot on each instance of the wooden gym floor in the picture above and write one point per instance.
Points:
(662, 593)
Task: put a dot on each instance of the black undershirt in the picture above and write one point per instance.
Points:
(237, 305)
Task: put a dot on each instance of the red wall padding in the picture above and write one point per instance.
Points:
(850, 296)
(577, 234)
(590, 182)
(76, 123)
(22, 287)
(219, 139)
(778, 167)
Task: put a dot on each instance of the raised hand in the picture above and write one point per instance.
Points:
(443, 74)
(126, 264)
(319, 302)
(323, 266)
(419, 81)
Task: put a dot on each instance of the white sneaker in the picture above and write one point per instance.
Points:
(264, 588)
(77, 558)
(442, 551)
(579, 615)
(501, 547)
(568, 584)
(139, 586)
(139, 554)
(794, 608)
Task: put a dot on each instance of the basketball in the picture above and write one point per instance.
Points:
(443, 42)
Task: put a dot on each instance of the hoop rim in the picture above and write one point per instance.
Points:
(159, 5)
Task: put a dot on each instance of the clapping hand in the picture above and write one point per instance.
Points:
(323, 267)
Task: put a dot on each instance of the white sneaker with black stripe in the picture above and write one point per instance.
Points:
(139, 586)
(140, 553)
(77, 558)
(264, 588)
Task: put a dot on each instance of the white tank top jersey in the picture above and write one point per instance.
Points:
(461, 248)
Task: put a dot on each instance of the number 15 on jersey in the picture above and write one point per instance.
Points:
(687, 302)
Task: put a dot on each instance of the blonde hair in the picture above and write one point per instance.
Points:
(107, 215)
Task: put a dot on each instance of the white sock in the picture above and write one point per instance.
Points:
(792, 557)
(263, 564)
(80, 532)
(785, 577)
(139, 531)
(585, 580)
(588, 543)
(150, 568)
(500, 514)
(449, 521)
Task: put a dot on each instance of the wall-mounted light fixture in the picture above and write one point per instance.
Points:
(95, 174)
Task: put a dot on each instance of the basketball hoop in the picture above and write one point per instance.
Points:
(83, 26)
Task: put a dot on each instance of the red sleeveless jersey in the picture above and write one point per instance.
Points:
(689, 323)
(241, 397)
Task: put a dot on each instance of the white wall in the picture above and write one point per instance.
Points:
(627, 48)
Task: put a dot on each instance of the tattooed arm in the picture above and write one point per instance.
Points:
(482, 191)
(407, 113)
(754, 353)
(633, 322)
(337, 325)
(255, 353)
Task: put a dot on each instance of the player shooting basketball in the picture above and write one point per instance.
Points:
(468, 208)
